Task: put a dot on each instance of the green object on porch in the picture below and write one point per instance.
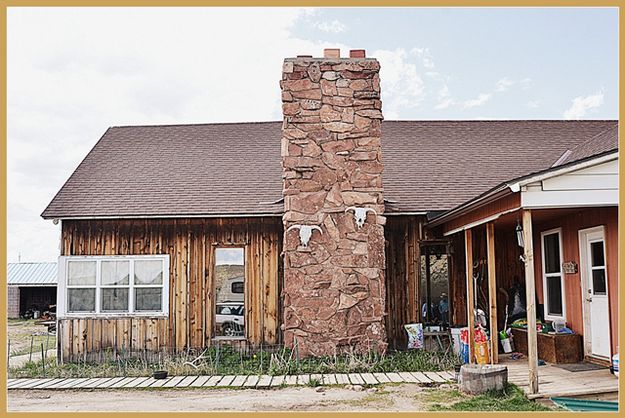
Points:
(574, 404)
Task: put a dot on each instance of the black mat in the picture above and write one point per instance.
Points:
(580, 367)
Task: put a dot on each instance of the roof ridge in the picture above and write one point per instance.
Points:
(154, 125)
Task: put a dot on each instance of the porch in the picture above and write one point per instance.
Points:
(556, 381)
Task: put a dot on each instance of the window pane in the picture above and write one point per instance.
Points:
(81, 273)
(115, 273)
(115, 300)
(552, 253)
(229, 289)
(148, 298)
(597, 253)
(554, 295)
(148, 272)
(237, 287)
(598, 282)
(81, 300)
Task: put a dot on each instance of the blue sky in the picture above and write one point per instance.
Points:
(100, 67)
(546, 57)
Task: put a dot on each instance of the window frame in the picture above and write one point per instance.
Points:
(63, 287)
(214, 336)
(545, 275)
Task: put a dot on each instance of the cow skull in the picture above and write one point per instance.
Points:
(360, 214)
(305, 232)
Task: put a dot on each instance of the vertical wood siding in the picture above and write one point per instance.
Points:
(403, 264)
(190, 244)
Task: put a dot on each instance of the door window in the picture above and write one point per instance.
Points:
(229, 277)
(597, 265)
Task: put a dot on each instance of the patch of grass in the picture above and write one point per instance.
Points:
(227, 360)
(441, 396)
(313, 383)
(510, 399)
(20, 332)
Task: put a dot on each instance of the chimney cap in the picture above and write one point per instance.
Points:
(357, 53)
(332, 53)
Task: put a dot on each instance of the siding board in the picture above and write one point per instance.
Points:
(190, 244)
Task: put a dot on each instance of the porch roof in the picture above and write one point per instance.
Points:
(515, 185)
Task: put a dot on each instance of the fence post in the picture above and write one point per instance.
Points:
(43, 361)
(30, 356)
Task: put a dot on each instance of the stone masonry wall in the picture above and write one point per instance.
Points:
(334, 294)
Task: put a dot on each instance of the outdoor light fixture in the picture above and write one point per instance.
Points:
(519, 235)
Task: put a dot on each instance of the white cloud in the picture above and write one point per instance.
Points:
(480, 100)
(582, 104)
(401, 84)
(533, 104)
(69, 82)
(333, 26)
(444, 98)
(506, 83)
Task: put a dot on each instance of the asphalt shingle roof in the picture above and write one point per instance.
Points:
(235, 169)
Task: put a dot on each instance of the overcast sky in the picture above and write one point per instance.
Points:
(72, 73)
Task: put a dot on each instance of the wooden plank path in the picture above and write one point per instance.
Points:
(230, 381)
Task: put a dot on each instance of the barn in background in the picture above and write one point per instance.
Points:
(31, 287)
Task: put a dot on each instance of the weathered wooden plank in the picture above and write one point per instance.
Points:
(408, 377)
(341, 379)
(238, 381)
(251, 381)
(212, 381)
(382, 378)
(173, 382)
(303, 379)
(199, 382)
(277, 380)
(355, 379)
(435, 377)
(468, 251)
(291, 380)
(530, 295)
(492, 292)
(264, 381)
(329, 379)
(186, 382)
(226, 381)
(394, 377)
(369, 378)
(421, 378)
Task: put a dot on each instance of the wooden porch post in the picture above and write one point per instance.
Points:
(468, 243)
(492, 293)
(530, 291)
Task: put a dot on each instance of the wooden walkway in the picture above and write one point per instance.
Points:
(554, 381)
(248, 382)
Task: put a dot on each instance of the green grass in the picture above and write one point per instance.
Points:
(510, 399)
(227, 360)
(19, 335)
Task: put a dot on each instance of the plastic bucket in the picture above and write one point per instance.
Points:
(506, 343)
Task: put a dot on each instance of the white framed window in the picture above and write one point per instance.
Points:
(553, 277)
(136, 285)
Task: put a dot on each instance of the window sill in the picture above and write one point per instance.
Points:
(112, 315)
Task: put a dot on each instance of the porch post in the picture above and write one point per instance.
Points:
(530, 294)
(468, 243)
(492, 293)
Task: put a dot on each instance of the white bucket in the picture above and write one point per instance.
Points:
(507, 345)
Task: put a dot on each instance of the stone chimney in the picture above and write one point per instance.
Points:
(334, 292)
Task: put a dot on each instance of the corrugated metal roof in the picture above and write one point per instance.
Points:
(32, 274)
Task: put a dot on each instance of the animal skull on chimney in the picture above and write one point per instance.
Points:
(305, 232)
(360, 214)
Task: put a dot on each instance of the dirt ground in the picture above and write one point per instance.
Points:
(403, 397)
(19, 332)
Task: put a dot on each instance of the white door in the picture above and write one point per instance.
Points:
(595, 292)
